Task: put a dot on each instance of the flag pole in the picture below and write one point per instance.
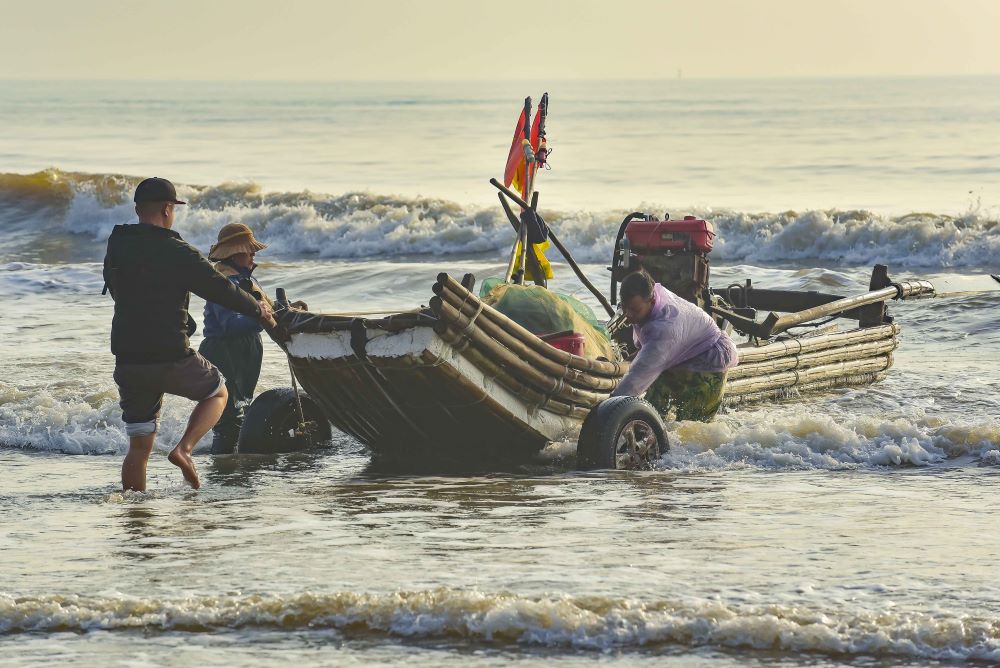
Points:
(529, 186)
(533, 264)
(514, 256)
(516, 199)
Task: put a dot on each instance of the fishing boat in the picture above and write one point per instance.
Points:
(459, 380)
(463, 379)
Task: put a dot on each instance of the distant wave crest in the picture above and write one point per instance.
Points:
(365, 225)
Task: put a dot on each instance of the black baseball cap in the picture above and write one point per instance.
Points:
(156, 190)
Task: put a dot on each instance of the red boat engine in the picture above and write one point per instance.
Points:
(674, 252)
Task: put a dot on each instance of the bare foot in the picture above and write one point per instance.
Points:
(183, 461)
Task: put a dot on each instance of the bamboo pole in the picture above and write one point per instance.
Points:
(490, 367)
(480, 393)
(461, 320)
(818, 358)
(480, 335)
(785, 392)
(803, 344)
(509, 274)
(775, 324)
(516, 366)
(811, 375)
(536, 269)
(562, 249)
(610, 369)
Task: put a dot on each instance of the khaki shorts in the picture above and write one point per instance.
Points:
(142, 386)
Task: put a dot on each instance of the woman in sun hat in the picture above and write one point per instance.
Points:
(232, 341)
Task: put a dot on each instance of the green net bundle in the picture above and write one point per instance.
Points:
(543, 312)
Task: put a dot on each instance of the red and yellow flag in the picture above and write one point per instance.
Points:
(515, 176)
(515, 171)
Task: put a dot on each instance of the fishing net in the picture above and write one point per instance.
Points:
(542, 312)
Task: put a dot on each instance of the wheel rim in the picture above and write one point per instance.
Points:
(636, 446)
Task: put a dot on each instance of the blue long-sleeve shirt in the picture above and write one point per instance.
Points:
(222, 322)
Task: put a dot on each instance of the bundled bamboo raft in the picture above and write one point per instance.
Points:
(808, 363)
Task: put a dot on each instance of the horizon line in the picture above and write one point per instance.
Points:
(796, 77)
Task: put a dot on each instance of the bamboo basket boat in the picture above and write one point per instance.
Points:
(459, 380)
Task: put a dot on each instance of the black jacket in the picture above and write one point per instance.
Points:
(151, 272)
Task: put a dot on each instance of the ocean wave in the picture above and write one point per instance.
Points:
(87, 420)
(589, 623)
(81, 421)
(366, 225)
(779, 439)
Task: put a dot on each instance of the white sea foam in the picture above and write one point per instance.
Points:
(88, 421)
(364, 224)
(776, 438)
(592, 623)
(78, 421)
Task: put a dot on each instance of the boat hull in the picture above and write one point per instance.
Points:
(412, 395)
(461, 381)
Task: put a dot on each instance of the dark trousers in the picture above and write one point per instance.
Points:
(239, 359)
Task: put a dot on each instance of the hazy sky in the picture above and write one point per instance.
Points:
(453, 39)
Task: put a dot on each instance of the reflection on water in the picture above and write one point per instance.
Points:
(239, 470)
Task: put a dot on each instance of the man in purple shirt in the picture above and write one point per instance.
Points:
(683, 356)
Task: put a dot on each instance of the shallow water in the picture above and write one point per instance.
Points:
(848, 528)
(854, 527)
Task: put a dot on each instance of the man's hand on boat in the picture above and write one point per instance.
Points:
(266, 314)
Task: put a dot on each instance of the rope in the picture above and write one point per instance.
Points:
(469, 328)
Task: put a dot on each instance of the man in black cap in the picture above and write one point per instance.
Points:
(151, 272)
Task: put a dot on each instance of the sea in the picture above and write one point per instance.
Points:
(856, 527)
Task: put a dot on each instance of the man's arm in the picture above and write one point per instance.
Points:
(201, 278)
(232, 323)
(109, 285)
(656, 356)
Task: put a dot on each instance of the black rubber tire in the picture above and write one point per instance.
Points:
(272, 418)
(598, 443)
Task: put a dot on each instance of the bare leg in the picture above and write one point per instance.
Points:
(203, 417)
(134, 466)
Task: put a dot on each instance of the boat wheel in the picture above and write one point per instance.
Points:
(637, 446)
(621, 433)
(272, 423)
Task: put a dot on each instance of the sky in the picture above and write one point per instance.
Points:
(403, 40)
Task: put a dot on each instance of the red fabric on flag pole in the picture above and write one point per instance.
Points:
(515, 157)
(514, 172)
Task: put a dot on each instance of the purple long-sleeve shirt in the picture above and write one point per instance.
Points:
(676, 334)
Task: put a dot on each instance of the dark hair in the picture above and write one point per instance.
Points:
(638, 284)
(148, 208)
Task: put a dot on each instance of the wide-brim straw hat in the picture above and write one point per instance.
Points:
(235, 238)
